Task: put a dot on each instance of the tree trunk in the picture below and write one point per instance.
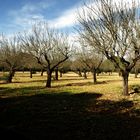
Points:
(23, 70)
(56, 74)
(42, 71)
(10, 76)
(125, 76)
(94, 76)
(49, 76)
(60, 74)
(120, 74)
(79, 73)
(85, 75)
(31, 73)
(136, 72)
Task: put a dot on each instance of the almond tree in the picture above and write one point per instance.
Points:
(30, 63)
(10, 55)
(107, 66)
(113, 29)
(65, 67)
(48, 46)
(78, 66)
(92, 60)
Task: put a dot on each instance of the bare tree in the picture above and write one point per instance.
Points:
(92, 60)
(30, 63)
(10, 55)
(65, 67)
(49, 47)
(78, 66)
(113, 29)
(107, 66)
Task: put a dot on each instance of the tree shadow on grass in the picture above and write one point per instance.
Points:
(43, 81)
(22, 91)
(68, 116)
(31, 81)
(81, 84)
(86, 83)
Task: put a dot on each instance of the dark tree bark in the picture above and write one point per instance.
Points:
(136, 72)
(94, 76)
(49, 76)
(31, 73)
(23, 70)
(42, 71)
(79, 73)
(56, 73)
(10, 76)
(85, 74)
(61, 74)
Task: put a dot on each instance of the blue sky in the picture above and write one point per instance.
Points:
(18, 15)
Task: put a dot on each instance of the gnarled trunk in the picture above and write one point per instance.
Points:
(125, 75)
(10, 76)
(49, 76)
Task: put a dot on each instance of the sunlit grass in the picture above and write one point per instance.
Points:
(108, 85)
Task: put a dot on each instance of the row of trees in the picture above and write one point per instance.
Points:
(107, 30)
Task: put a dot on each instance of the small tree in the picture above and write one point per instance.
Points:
(78, 66)
(107, 66)
(48, 46)
(65, 67)
(113, 29)
(10, 55)
(92, 60)
(30, 63)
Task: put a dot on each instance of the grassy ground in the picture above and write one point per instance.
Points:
(73, 108)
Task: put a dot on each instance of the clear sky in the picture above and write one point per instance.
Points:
(18, 15)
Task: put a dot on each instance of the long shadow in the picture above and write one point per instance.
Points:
(34, 75)
(39, 89)
(68, 116)
(43, 81)
(32, 81)
(22, 91)
(80, 84)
